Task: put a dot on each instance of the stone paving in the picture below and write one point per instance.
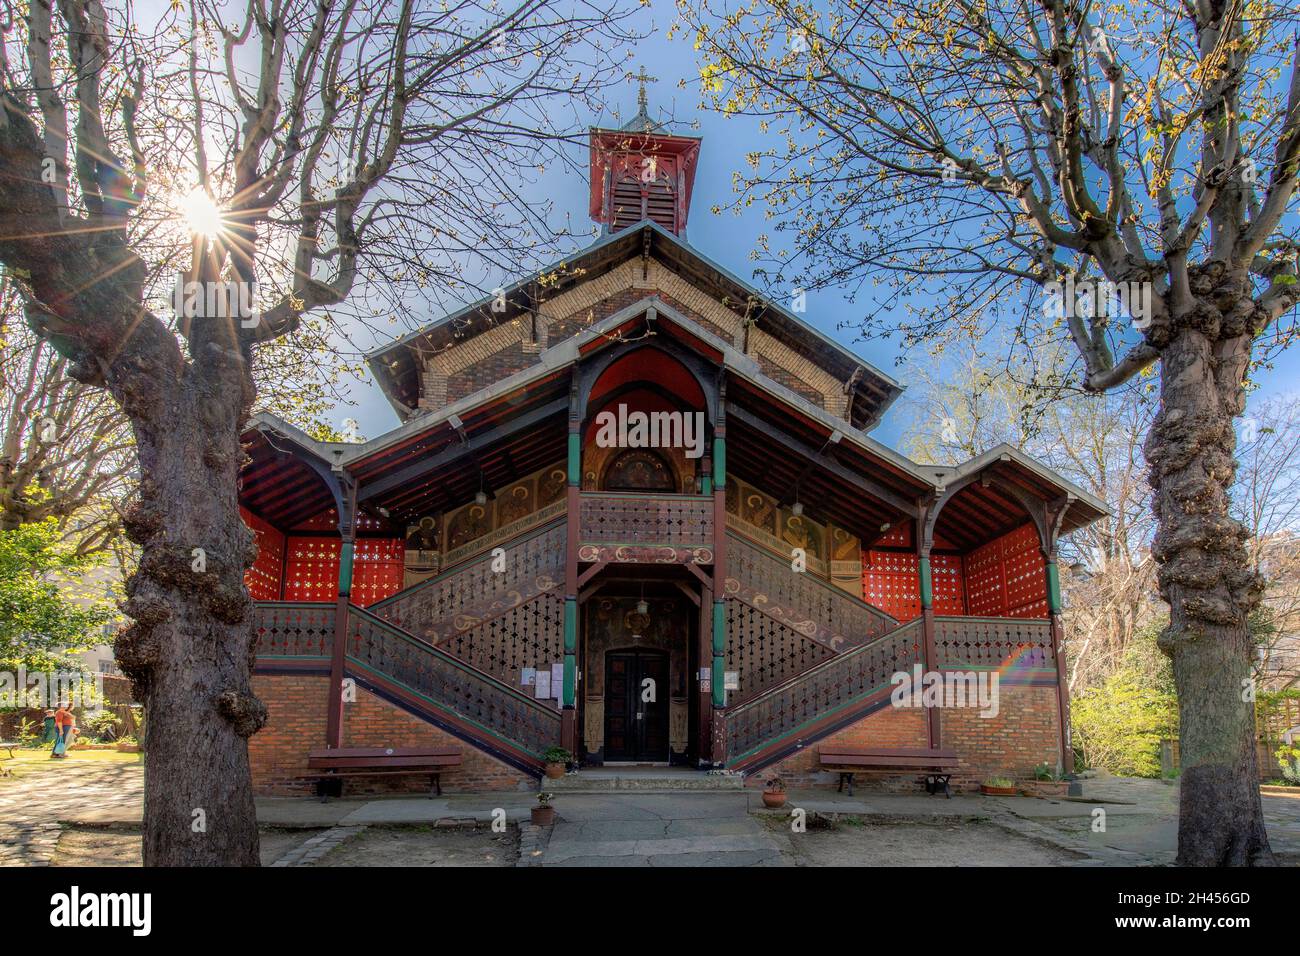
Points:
(667, 829)
(631, 828)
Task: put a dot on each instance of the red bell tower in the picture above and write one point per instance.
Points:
(642, 172)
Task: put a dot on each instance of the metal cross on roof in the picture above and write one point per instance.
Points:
(643, 78)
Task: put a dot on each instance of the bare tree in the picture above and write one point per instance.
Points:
(1266, 501)
(981, 393)
(981, 151)
(347, 158)
(65, 449)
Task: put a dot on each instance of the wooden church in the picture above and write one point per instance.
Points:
(503, 573)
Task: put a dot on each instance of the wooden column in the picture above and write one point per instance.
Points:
(347, 549)
(1062, 678)
(569, 694)
(934, 727)
(717, 675)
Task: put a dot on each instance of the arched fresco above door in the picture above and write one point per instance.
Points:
(639, 469)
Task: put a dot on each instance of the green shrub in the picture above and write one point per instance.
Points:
(1118, 725)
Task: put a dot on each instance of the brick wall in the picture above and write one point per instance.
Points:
(296, 724)
(1023, 735)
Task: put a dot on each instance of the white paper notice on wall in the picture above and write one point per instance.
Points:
(529, 677)
(731, 680)
(542, 690)
(557, 680)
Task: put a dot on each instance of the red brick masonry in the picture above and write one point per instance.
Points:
(296, 725)
(1022, 736)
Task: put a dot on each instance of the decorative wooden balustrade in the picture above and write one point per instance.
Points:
(806, 604)
(1022, 647)
(464, 597)
(831, 695)
(646, 528)
(293, 634)
(448, 691)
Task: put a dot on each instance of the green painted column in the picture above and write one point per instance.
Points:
(927, 584)
(719, 654)
(570, 651)
(345, 567)
(575, 458)
(1053, 586)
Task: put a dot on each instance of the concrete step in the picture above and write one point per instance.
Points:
(636, 780)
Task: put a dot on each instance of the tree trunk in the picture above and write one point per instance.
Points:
(1206, 579)
(190, 650)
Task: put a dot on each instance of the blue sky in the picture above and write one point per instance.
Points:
(724, 238)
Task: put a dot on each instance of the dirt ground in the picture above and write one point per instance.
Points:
(970, 843)
(98, 847)
(426, 846)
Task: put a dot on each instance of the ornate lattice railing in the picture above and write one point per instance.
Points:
(463, 597)
(806, 604)
(805, 707)
(1020, 644)
(527, 635)
(765, 652)
(293, 630)
(679, 521)
(443, 682)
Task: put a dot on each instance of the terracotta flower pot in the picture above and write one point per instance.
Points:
(997, 791)
(543, 816)
(774, 798)
(554, 770)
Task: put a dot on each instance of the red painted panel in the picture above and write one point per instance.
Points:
(378, 569)
(263, 578)
(891, 581)
(312, 569)
(949, 587)
(1007, 577)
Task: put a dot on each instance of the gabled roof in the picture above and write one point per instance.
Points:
(759, 406)
(396, 366)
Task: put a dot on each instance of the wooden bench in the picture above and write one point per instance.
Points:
(938, 765)
(341, 762)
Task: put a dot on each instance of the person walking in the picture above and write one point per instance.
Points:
(65, 725)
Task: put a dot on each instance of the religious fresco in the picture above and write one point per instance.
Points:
(436, 540)
(625, 467)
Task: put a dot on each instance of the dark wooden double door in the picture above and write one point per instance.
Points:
(636, 728)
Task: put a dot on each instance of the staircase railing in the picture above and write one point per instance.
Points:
(1021, 644)
(821, 700)
(804, 603)
(290, 631)
(449, 692)
(480, 589)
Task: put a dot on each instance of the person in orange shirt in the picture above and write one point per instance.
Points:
(65, 725)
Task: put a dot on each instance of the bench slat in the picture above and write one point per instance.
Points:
(325, 763)
(888, 752)
(387, 752)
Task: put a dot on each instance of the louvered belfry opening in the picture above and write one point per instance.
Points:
(640, 175)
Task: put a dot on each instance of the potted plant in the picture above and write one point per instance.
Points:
(1047, 782)
(543, 813)
(774, 793)
(556, 759)
(998, 787)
